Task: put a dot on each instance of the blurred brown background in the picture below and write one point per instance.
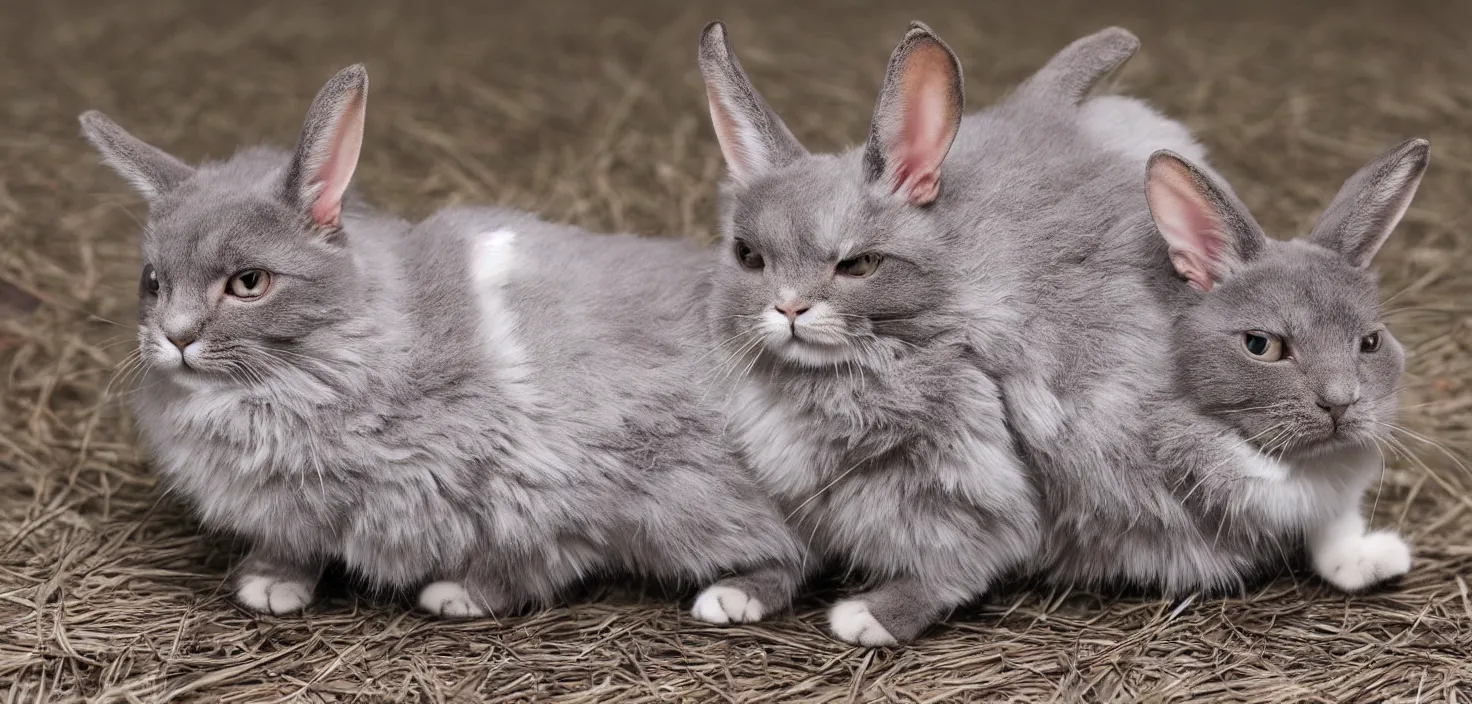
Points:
(593, 113)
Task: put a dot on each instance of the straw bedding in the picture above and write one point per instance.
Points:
(592, 113)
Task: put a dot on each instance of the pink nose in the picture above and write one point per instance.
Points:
(792, 309)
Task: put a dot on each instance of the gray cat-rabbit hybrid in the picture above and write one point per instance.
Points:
(961, 350)
(1280, 383)
(875, 297)
(482, 406)
(1283, 384)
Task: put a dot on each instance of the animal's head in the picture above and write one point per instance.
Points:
(245, 264)
(831, 259)
(1285, 340)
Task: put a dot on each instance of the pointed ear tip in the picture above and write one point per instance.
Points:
(1164, 157)
(1120, 34)
(714, 32)
(355, 75)
(917, 39)
(919, 32)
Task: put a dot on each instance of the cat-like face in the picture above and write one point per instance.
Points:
(1284, 340)
(1292, 352)
(245, 272)
(819, 268)
(236, 285)
(831, 260)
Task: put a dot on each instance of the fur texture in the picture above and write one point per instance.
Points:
(869, 400)
(1010, 377)
(482, 405)
(1250, 459)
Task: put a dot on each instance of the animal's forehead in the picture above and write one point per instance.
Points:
(812, 203)
(1308, 291)
(221, 226)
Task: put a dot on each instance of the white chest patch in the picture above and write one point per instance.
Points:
(1258, 466)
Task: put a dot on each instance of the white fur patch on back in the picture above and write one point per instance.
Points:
(1130, 127)
(492, 267)
(495, 259)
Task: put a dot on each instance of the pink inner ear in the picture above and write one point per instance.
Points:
(332, 178)
(926, 128)
(738, 160)
(1189, 224)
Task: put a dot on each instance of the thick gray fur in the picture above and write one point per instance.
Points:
(1076, 71)
(434, 401)
(1209, 467)
(1001, 395)
(887, 437)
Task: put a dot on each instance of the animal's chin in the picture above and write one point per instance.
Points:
(808, 353)
(1327, 441)
(194, 377)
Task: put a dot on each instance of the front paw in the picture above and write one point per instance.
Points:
(449, 600)
(271, 595)
(721, 604)
(1357, 563)
(853, 623)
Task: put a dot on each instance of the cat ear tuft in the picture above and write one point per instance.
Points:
(327, 151)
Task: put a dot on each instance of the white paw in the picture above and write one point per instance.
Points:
(273, 596)
(449, 600)
(852, 623)
(727, 605)
(1356, 563)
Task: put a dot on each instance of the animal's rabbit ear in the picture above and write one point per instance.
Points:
(1209, 232)
(327, 151)
(1075, 71)
(753, 139)
(1372, 202)
(150, 170)
(917, 117)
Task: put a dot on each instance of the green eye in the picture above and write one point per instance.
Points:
(1262, 346)
(860, 266)
(1370, 342)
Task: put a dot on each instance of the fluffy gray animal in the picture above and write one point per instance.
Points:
(1280, 385)
(482, 406)
(875, 298)
(1269, 427)
(959, 360)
